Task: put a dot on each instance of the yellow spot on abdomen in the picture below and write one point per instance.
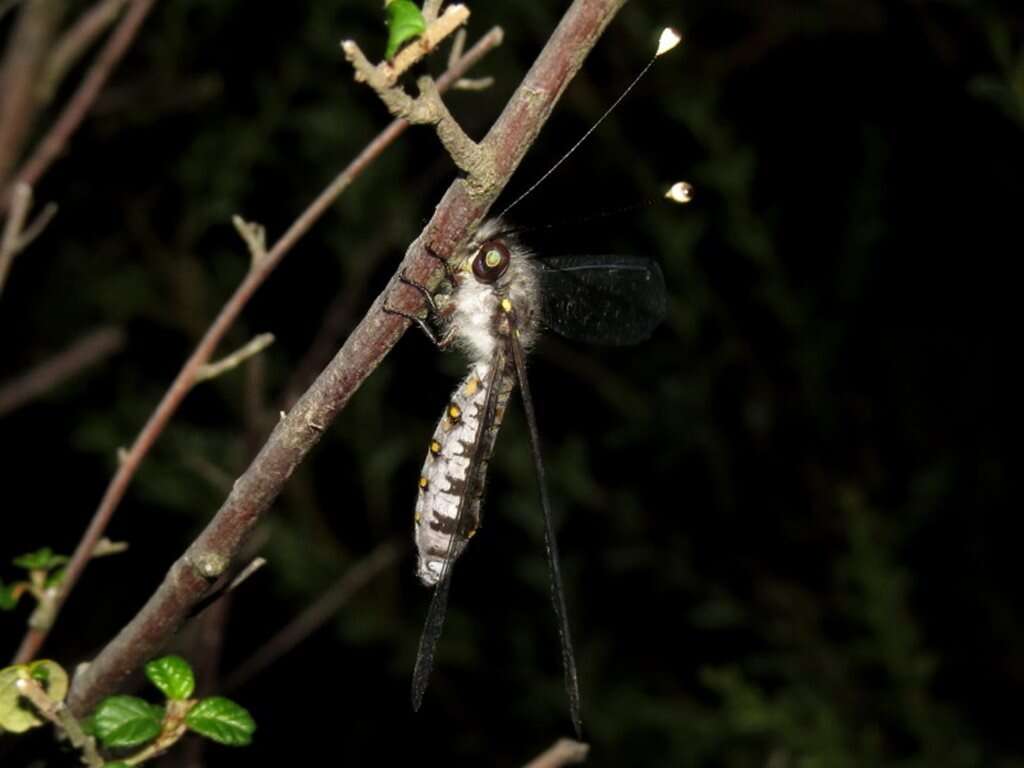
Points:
(435, 447)
(424, 483)
(454, 412)
(506, 305)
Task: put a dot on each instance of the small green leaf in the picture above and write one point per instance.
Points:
(222, 720)
(173, 676)
(16, 713)
(41, 560)
(405, 22)
(118, 764)
(52, 676)
(125, 721)
(8, 596)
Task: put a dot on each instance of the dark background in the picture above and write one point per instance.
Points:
(784, 520)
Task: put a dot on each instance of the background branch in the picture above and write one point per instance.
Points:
(562, 752)
(316, 613)
(78, 106)
(293, 437)
(83, 353)
(24, 58)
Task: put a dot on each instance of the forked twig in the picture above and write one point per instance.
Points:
(17, 236)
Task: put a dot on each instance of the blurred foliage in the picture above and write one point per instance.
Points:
(784, 520)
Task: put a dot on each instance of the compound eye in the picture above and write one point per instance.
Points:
(491, 261)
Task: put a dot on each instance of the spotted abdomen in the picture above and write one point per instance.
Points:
(455, 469)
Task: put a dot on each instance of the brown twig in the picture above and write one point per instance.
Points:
(73, 44)
(431, 8)
(461, 209)
(58, 714)
(24, 58)
(16, 235)
(81, 101)
(316, 614)
(437, 31)
(86, 352)
(181, 385)
(562, 752)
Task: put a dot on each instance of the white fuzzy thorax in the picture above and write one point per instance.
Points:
(477, 319)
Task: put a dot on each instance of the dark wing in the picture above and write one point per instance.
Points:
(614, 300)
(439, 601)
(572, 683)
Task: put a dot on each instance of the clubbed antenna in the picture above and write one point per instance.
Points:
(668, 40)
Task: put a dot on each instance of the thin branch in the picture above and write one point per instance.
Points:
(562, 752)
(64, 366)
(300, 429)
(17, 237)
(23, 60)
(181, 385)
(316, 614)
(58, 714)
(255, 237)
(73, 44)
(426, 109)
(235, 359)
(437, 30)
(430, 10)
(82, 100)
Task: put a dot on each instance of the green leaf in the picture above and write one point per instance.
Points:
(8, 596)
(125, 721)
(51, 676)
(173, 676)
(405, 22)
(41, 560)
(222, 720)
(118, 764)
(16, 713)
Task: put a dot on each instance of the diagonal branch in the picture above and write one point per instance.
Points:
(191, 575)
(182, 384)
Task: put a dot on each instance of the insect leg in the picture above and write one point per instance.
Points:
(448, 271)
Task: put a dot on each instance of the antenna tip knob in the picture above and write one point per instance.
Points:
(669, 39)
(680, 192)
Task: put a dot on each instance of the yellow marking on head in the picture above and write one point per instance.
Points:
(471, 386)
(454, 412)
(435, 447)
(424, 483)
(506, 305)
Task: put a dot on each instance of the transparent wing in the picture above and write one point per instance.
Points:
(603, 299)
